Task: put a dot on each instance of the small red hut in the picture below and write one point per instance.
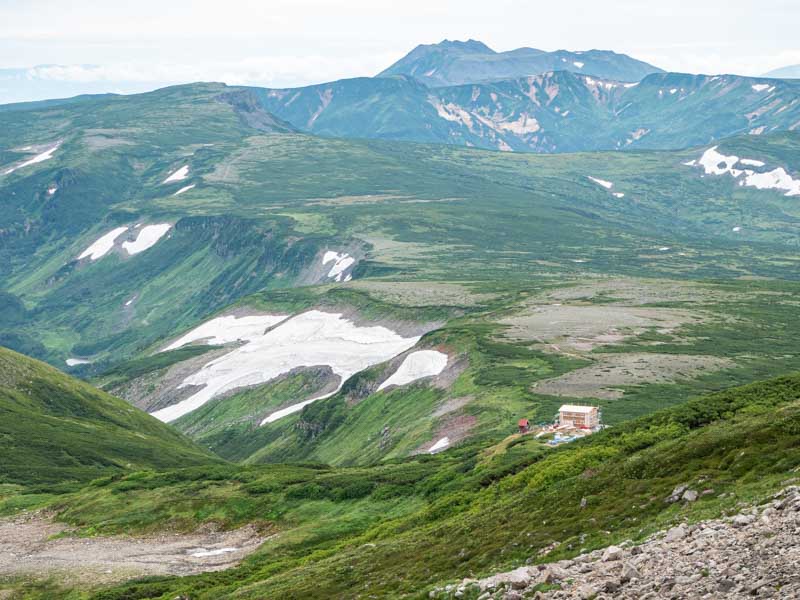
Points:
(524, 427)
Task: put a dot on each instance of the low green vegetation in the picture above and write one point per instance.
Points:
(55, 430)
(397, 528)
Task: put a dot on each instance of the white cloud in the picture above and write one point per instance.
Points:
(256, 70)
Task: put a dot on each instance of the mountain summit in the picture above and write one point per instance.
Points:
(456, 62)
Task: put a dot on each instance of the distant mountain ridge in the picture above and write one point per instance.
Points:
(788, 72)
(552, 112)
(454, 63)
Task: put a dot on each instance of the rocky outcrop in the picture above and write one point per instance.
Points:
(753, 554)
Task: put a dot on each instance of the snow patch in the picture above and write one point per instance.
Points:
(423, 363)
(103, 245)
(618, 194)
(309, 339)
(146, 238)
(606, 184)
(178, 175)
(341, 262)
(52, 189)
(760, 87)
(46, 155)
(751, 162)
(202, 552)
(73, 362)
(185, 188)
(440, 445)
(714, 163)
(736, 229)
(578, 64)
(223, 330)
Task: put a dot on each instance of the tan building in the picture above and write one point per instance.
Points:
(579, 416)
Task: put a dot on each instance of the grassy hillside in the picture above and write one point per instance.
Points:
(55, 429)
(396, 529)
(630, 346)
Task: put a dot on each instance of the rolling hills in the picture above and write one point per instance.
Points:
(153, 214)
(455, 62)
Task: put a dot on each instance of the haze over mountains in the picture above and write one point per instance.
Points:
(790, 72)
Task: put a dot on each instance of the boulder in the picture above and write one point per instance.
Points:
(676, 494)
(676, 533)
(629, 572)
(612, 553)
(689, 496)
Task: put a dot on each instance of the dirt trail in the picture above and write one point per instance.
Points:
(26, 549)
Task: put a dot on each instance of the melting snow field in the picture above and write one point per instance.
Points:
(147, 238)
(313, 338)
(606, 184)
(715, 163)
(185, 188)
(423, 363)
(341, 262)
(46, 155)
(178, 175)
(223, 330)
(103, 245)
(440, 445)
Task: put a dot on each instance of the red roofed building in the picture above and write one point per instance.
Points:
(523, 426)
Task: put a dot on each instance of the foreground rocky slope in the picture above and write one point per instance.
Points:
(754, 553)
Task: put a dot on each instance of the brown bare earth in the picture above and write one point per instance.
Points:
(611, 372)
(567, 328)
(26, 549)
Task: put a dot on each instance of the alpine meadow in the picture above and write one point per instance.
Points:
(483, 324)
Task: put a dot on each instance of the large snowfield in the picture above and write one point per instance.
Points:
(312, 338)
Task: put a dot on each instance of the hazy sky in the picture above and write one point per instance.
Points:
(285, 43)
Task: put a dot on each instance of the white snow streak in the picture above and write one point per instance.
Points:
(714, 163)
(341, 262)
(185, 188)
(178, 175)
(72, 362)
(46, 155)
(606, 184)
(223, 330)
(423, 363)
(147, 238)
(440, 445)
(202, 552)
(103, 245)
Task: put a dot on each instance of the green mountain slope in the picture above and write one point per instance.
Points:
(551, 112)
(54, 428)
(486, 230)
(463, 513)
(454, 63)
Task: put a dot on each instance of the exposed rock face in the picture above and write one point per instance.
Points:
(753, 554)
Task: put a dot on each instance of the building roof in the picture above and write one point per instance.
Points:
(523, 422)
(577, 409)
